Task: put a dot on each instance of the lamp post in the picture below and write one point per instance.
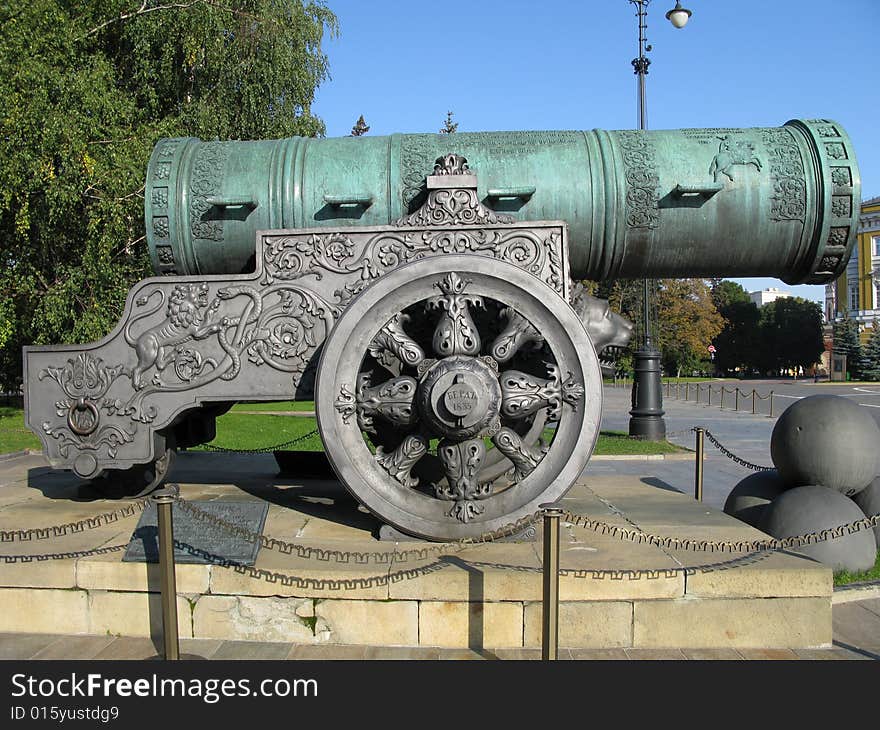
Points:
(646, 416)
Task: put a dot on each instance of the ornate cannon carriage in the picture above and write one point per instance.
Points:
(430, 312)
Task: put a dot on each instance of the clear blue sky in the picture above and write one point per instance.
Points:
(563, 64)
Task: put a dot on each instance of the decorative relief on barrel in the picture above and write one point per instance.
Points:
(789, 198)
(207, 171)
(640, 172)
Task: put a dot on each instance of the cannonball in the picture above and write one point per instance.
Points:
(751, 495)
(869, 500)
(813, 508)
(827, 440)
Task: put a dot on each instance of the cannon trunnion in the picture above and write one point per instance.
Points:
(433, 320)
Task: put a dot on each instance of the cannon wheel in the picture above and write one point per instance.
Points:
(136, 481)
(451, 400)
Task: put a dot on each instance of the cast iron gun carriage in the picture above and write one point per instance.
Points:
(429, 312)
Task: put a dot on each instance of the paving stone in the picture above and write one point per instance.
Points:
(765, 575)
(75, 647)
(328, 651)
(24, 646)
(654, 654)
(598, 654)
(820, 654)
(254, 618)
(518, 654)
(379, 623)
(204, 648)
(44, 610)
(252, 650)
(134, 614)
(744, 622)
(471, 625)
(712, 654)
(855, 625)
(584, 624)
(463, 654)
(124, 647)
(784, 654)
(402, 652)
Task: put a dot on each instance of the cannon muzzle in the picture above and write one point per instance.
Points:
(777, 201)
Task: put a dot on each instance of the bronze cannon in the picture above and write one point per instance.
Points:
(420, 288)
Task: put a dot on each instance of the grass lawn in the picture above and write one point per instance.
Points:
(844, 577)
(14, 436)
(287, 405)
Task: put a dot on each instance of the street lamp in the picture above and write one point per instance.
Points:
(646, 416)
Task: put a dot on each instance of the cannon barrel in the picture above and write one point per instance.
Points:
(777, 201)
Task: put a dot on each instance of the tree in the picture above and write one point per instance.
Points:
(449, 127)
(86, 89)
(735, 345)
(688, 322)
(798, 333)
(360, 128)
(847, 342)
(871, 370)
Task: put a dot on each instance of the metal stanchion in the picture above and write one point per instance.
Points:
(698, 465)
(753, 401)
(709, 394)
(687, 390)
(736, 399)
(771, 405)
(550, 611)
(722, 397)
(164, 499)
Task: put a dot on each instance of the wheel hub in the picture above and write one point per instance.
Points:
(460, 397)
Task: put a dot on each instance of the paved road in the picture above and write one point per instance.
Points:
(746, 435)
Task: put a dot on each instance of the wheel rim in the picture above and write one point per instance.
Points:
(382, 482)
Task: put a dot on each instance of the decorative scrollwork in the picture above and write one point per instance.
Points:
(394, 340)
(640, 172)
(461, 462)
(523, 394)
(399, 463)
(346, 403)
(517, 332)
(524, 458)
(789, 199)
(392, 400)
(456, 333)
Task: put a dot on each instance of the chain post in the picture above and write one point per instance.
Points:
(753, 401)
(709, 394)
(550, 611)
(164, 499)
(698, 464)
(771, 405)
(736, 399)
(722, 397)
(687, 389)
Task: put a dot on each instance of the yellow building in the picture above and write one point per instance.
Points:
(857, 290)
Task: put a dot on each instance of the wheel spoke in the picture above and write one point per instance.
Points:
(524, 457)
(399, 463)
(456, 333)
(392, 400)
(461, 462)
(393, 341)
(522, 393)
(518, 332)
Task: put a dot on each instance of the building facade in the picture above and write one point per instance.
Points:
(856, 293)
(765, 296)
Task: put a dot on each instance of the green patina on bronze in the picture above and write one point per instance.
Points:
(778, 201)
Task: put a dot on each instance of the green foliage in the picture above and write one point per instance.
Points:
(847, 342)
(360, 127)
(790, 334)
(871, 361)
(449, 127)
(86, 90)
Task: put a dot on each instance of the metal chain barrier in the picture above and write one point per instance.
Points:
(62, 556)
(738, 546)
(730, 455)
(264, 449)
(349, 556)
(89, 523)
